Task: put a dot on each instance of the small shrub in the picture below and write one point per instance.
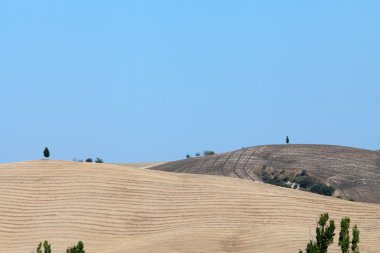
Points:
(323, 189)
(197, 154)
(208, 152)
(89, 160)
(98, 160)
(305, 181)
(187, 156)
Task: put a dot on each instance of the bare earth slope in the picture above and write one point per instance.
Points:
(354, 172)
(114, 208)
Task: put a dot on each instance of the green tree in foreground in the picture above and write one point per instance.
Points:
(344, 235)
(47, 247)
(46, 152)
(355, 240)
(325, 235)
(79, 248)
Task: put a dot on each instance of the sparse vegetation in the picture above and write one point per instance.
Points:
(290, 179)
(187, 156)
(197, 154)
(88, 160)
(46, 153)
(98, 160)
(79, 248)
(208, 152)
(287, 139)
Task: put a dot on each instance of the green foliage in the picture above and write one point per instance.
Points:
(287, 139)
(312, 247)
(79, 248)
(344, 235)
(325, 235)
(305, 182)
(208, 152)
(355, 240)
(187, 156)
(46, 152)
(197, 154)
(98, 160)
(47, 247)
(39, 248)
(89, 160)
(323, 189)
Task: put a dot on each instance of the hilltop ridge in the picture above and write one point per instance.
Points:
(355, 173)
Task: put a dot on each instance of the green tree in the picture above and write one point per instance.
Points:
(344, 235)
(79, 248)
(355, 240)
(89, 160)
(325, 235)
(46, 152)
(47, 247)
(187, 156)
(287, 139)
(39, 248)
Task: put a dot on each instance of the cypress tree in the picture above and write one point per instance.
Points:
(344, 235)
(355, 240)
(46, 152)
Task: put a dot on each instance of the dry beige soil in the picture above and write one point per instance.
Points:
(113, 208)
(355, 173)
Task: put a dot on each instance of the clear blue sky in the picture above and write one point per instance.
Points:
(154, 80)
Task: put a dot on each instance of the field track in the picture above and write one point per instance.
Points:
(113, 208)
(355, 173)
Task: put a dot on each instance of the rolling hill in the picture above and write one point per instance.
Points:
(355, 173)
(114, 208)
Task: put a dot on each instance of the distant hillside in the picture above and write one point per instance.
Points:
(355, 173)
(115, 209)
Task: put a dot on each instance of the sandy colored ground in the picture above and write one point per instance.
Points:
(355, 173)
(142, 165)
(114, 208)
